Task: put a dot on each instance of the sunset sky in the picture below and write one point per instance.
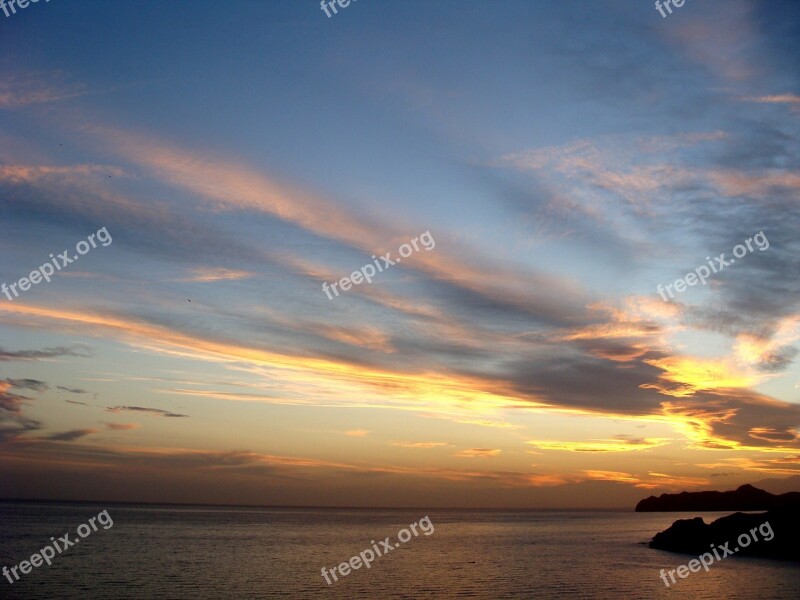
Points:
(566, 157)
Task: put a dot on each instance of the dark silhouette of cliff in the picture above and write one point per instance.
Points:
(776, 533)
(745, 497)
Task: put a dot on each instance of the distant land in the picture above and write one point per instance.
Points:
(746, 497)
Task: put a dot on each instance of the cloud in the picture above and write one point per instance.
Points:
(357, 433)
(75, 350)
(620, 444)
(650, 481)
(19, 174)
(80, 196)
(154, 411)
(20, 90)
(648, 386)
(255, 464)
(793, 100)
(785, 465)
(773, 435)
(478, 453)
(205, 275)
(612, 476)
(13, 423)
(687, 375)
(727, 43)
(30, 384)
(70, 436)
(421, 444)
(725, 418)
(12, 427)
(72, 390)
(10, 402)
(411, 387)
(771, 351)
(467, 277)
(121, 426)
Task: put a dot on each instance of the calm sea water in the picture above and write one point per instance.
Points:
(197, 553)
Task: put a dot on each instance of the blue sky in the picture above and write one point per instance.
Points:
(567, 159)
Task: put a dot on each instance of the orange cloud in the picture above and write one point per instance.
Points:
(122, 426)
(226, 185)
(478, 453)
(242, 463)
(773, 435)
(17, 91)
(652, 481)
(31, 173)
(421, 444)
(613, 445)
(548, 480)
(217, 274)
(786, 465)
(757, 351)
(734, 183)
(357, 433)
(341, 379)
(688, 375)
(791, 99)
(612, 476)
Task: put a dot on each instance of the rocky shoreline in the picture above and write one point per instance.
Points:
(771, 534)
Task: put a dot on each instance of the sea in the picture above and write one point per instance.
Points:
(201, 552)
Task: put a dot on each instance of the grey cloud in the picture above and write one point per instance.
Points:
(76, 402)
(154, 411)
(72, 390)
(70, 436)
(75, 350)
(30, 384)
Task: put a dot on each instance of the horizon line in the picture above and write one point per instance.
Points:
(303, 506)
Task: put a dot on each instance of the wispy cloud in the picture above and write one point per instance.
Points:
(72, 390)
(30, 384)
(153, 411)
(205, 275)
(70, 436)
(621, 444)
(121, 426)
(421, 444)
(20, 90)
(17, 174)
(46, 353)
(10, 402)
(792, 100)
(357, 433)
(478, 453)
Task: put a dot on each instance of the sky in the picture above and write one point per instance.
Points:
(209, 184)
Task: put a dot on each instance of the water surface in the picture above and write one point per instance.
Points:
(205, 553)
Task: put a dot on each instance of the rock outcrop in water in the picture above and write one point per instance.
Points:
(777, 535)
(746, 497)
